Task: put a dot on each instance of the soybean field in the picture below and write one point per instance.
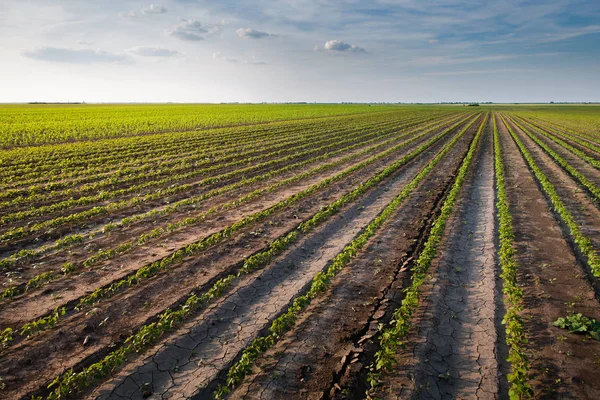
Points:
(299, 251)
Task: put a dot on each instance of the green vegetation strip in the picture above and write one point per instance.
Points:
(72, 382)
(41, 124)
(583, 243)
(513, 294)
(201, 156)
(589, 185)
(590, 160)
(79, 165)
(278, 155)
(571, 136)
(588, 138)
(322, 280)
(391, 337)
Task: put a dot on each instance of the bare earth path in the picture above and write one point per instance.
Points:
(452, 353)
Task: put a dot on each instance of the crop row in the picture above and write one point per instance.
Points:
(171, 141)
(513, 294)
(588, 144)
(139, 151)
(27, 125)
(195, 158)
(582, 155)
(159, 194)
(585, 182)
(580, 133)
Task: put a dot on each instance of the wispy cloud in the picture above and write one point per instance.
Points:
(252, 33)
(153, 9)
(193, 30)
(566, 34)
(75, 56)
(152, 51)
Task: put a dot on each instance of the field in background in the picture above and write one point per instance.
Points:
(54, 123)
(299, 251)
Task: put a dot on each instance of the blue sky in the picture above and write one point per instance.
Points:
(299, 50)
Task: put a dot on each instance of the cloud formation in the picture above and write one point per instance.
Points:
(193, 30)
(250, 33)
(152, 51)
(337, 46)
(75, 56)
(153, 9)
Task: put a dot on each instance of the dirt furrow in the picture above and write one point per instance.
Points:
(563, 365)
(204, 347)
(452, 352)
(326, 341)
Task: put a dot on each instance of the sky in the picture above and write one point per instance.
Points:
(299, 50)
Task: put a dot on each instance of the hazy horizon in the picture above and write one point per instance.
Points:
(325, 51)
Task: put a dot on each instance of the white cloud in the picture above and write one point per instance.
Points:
(252, 33)
(75, 56)
(433, 41)
(153, 9)
(337, 46)
(84, 42)
(193, 30)
(152, 51)
(127, 14)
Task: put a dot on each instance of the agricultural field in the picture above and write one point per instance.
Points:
(299, 251)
